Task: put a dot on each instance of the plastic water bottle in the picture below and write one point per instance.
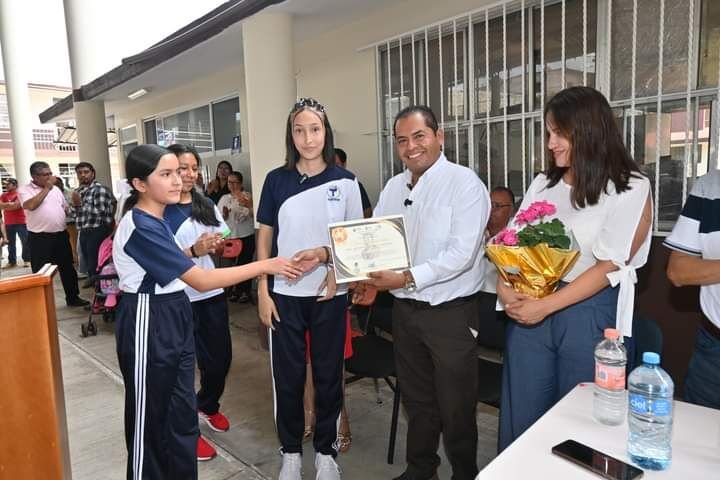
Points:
(609, 399)
(650, 414)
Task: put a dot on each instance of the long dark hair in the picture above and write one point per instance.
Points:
(221, 162)
(597, 154)
(140, 163)
(292, 155)
(202, 209)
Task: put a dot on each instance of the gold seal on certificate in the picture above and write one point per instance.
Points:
(369, 245)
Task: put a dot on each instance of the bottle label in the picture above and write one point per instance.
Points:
(609, 377)
(642, 405)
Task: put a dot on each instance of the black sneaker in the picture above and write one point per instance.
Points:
(77, 302)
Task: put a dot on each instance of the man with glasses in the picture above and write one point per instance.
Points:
(492, 328)
(45, 209)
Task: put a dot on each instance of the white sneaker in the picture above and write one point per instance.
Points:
(326, 467)
(291, 467)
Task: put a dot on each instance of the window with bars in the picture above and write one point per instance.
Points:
(4, 114)
(66, 171)
(488, 73)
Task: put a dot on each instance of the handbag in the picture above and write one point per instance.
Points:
(232, 248)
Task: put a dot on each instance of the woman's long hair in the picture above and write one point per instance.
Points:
(202, 209)
(292, 155)
(140, 163)
(597, 153)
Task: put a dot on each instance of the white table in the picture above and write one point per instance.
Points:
(695, 443)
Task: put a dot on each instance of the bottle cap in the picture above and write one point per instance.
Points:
(612, 333)
(651, 358)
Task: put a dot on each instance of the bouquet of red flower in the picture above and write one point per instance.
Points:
(534, 259)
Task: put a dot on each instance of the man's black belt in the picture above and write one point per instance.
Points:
(426, 305)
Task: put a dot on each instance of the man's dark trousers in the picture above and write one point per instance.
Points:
(55, 248)
(437, 366)
(90, 240)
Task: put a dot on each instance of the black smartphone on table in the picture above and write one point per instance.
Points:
(597, 462)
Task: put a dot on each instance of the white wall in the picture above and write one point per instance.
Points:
(204, 90)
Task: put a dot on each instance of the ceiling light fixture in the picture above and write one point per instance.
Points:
(137, 94)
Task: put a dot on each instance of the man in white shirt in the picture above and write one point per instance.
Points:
(446, 209)
(695, 260)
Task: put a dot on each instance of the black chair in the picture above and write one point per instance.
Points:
(491, 343)
(373, 357)
(647, 337)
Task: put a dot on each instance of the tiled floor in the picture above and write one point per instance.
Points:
(94, 399)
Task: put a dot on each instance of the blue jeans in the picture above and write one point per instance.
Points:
(21, 231)
(702, 383)
(543, 362)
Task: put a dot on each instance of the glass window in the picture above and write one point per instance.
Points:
(497, 75)
(150, 127)
(574, 59)
(226, 122)
(671, 141)
(709, 44)
(191, 127)
(127, 148)
(675, 48)
(128, 134)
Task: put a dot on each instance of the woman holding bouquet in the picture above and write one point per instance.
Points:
(599, 194)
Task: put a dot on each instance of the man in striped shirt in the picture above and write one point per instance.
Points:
(695, 260)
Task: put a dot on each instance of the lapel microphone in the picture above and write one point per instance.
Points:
(407, 202)
(302, 178)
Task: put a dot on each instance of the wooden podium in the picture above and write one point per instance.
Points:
(33, 428)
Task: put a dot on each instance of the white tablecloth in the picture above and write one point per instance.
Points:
(695, 443)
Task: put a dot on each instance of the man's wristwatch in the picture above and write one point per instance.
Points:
(409, 281)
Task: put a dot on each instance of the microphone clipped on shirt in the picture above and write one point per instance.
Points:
(302, 178)
(407, 202)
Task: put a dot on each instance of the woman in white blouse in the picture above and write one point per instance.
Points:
(605, 201)
(237, 211)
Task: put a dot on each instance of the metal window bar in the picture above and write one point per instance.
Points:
(389, 107)
(609, 50)
(506, 97)
(402, 75)
(633, 73)
(688, 104)
(412, 51)
(522, 83)
(658, 120)
(442, 85)
(470, 86)
(380, 121)
(488, 103)
(455, 86)
(584, 43)
(562, 44)
(542, 80)
(427, 70)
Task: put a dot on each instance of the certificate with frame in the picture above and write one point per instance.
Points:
(368, 245)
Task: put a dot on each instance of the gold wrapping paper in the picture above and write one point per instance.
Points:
(534, 271)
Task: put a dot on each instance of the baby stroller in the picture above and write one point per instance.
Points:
(106, 285)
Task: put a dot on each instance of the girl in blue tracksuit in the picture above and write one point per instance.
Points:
(198, 224)
(154, 322)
